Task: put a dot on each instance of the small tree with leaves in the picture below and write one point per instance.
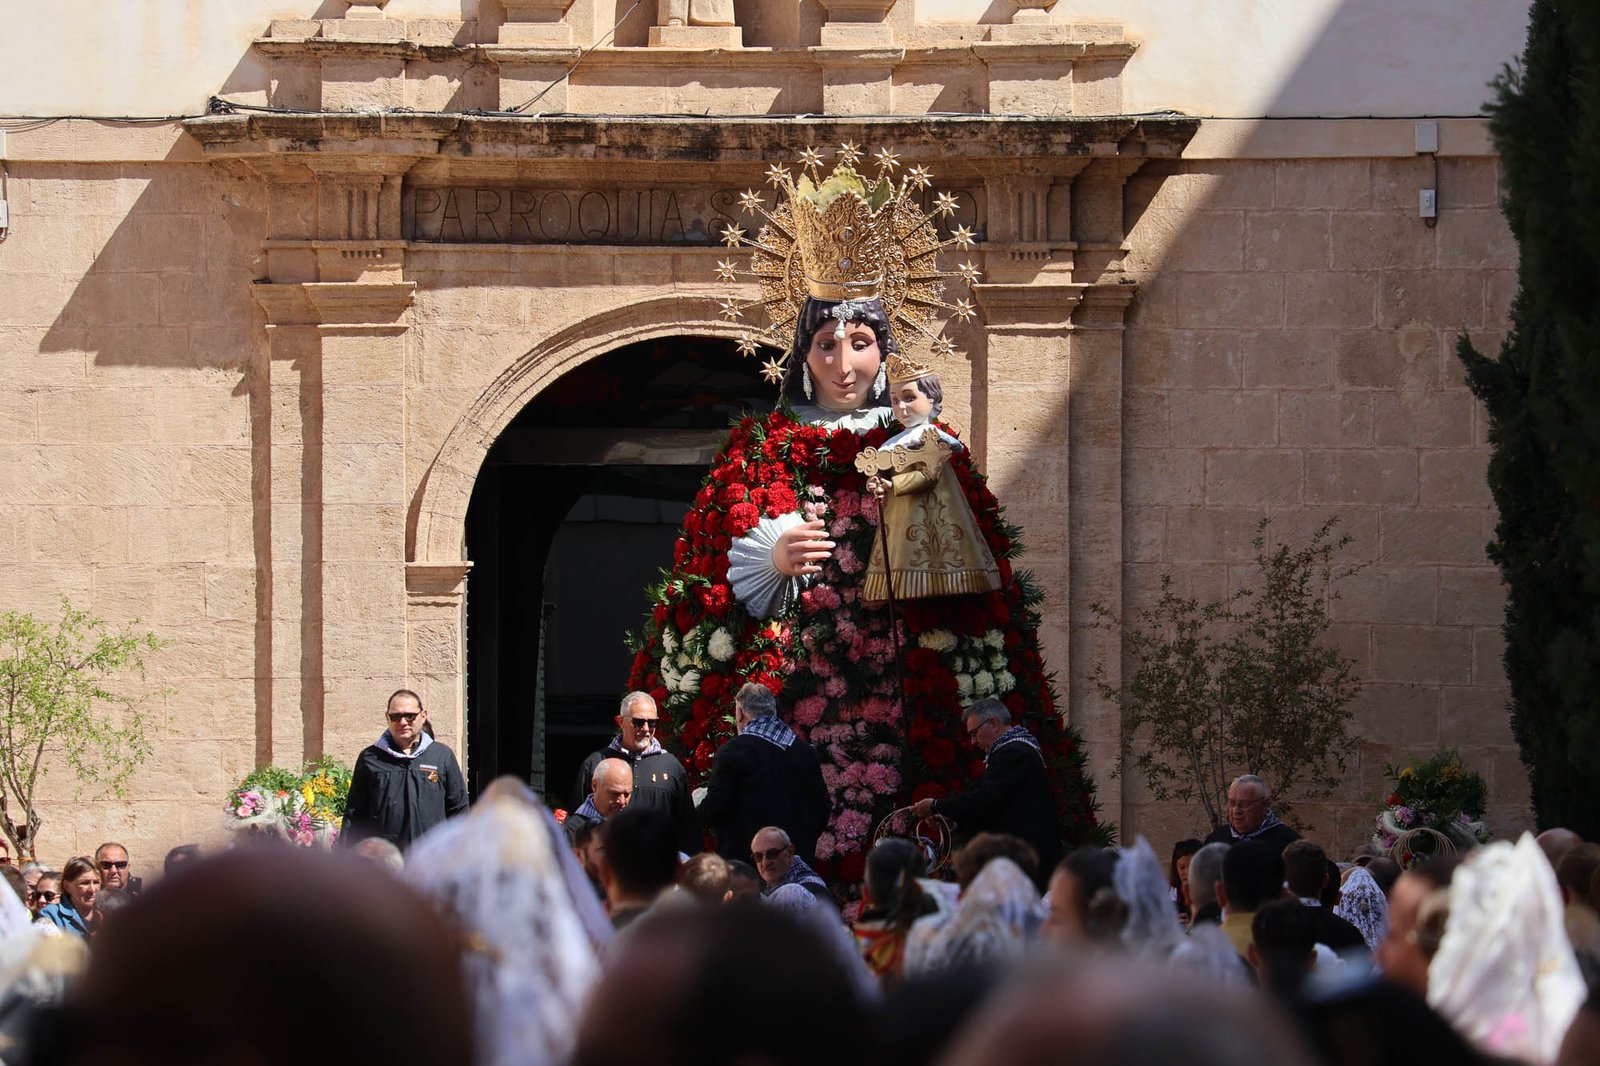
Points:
(1241, 685)
(58, 707)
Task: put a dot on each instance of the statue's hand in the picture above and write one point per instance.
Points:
(877, 486)
(801, 549)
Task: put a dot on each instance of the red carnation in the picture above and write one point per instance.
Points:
(800, 453)
(928, 790)
(659, 694)
(852, 867)
(658, 613)
(711, 524)
(1005, 570)
(742, 517)
(716, 600)
(712, 686)
(732, 494)
(781, 500)
(683, 614)
(843, 446)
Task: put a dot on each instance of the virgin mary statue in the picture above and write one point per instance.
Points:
(767, 576)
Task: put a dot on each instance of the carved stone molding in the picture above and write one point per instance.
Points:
(1104, 307)
(435, 581)
(857, 23)
(334, 307)
(1027, 308)
(1031, 10)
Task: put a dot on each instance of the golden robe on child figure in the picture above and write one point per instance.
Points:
(931, 540)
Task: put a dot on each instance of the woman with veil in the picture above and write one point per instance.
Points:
(767, 576)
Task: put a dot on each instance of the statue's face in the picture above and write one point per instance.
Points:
(842, 371)
(911, 407)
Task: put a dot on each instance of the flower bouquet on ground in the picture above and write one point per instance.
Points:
(1436, 806)
(305, 808)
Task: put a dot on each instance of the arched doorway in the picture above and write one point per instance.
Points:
(574, 511)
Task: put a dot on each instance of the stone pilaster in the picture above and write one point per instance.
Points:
(1095, 527)
(1021, 410)
(536, 24)
(857, 24)
(436, 644)
(330, 529)
(857, 80)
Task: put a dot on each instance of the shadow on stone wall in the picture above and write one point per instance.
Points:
(1290, 356)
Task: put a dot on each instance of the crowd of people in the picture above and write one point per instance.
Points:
(502, 935)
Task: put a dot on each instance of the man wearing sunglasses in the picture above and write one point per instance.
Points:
(111, 859)
(659, 780)
(405, 783)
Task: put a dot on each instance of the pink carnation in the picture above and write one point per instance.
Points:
(834, 687)
(809, 710)
(852, 825)
(825, 846)
(825, 596)
(881, 779)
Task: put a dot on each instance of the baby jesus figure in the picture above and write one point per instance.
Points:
(927, 532)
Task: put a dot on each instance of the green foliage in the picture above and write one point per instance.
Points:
(1440, 785)
(1239, 685)
(1542, 395)
(58, 708)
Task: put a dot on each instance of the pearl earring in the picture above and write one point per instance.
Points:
(805, 379)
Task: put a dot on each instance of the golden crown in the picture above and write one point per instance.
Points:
(848, 237)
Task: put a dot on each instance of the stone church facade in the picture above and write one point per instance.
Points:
(256, 359)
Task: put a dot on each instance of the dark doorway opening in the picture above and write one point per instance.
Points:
(574, 512)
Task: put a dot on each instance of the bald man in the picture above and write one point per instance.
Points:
(610, 790)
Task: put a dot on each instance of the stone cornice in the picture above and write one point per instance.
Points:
(345, 307)
(634, 139)
(1028, 308)
(433, 580)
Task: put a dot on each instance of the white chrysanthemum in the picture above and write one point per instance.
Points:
(685, 661)
(964, 686)
(669, 641)
(937, 639)
(995, 639)
(721, 646)
(983, 683)
(1004, 681)
(997, 662)
(689, 681)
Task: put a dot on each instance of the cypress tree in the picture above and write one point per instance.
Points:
(1543, 399)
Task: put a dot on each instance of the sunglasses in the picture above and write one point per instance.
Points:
(770, 854)
(45, 897)
(642, 723)
(107, 864)
(404, 716)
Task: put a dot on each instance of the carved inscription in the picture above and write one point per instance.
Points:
(655, 215)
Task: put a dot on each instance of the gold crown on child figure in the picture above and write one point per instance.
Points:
(848, 237)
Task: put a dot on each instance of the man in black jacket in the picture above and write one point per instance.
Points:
(659, 780)
(1251, 817)
(406, 783)
(1013, 795)
(765, 776)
